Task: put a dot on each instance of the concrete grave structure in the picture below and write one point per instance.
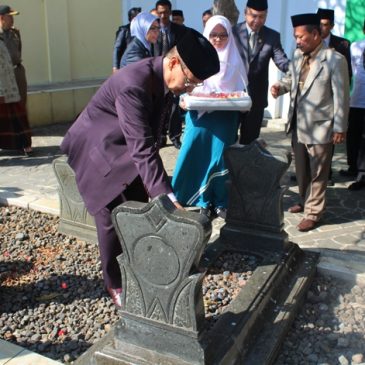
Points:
(165, 259)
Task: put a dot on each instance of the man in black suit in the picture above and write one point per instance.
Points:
(257, 44)
(169, 36)
(339, 44)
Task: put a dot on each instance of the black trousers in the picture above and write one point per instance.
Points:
(174, 127)
(109, 245)
(355, 142)
(250, 125)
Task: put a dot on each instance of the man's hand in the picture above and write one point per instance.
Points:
(178, 205)
(275, 90)
(182, 103)
(338, 137)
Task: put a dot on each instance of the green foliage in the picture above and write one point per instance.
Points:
(355, 16)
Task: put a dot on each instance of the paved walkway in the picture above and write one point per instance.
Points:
(29, 182)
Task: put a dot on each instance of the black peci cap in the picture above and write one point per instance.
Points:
(177, 13)
(326, 14)
(259, 5)
(305, 19)
(199, 56)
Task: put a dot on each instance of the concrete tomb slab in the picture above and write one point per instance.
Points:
(166, 257)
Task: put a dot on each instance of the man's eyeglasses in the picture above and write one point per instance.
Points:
(218, 35)
(187, 82)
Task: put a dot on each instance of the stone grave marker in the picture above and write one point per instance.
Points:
(75, 220)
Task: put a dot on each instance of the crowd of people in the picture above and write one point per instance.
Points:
(113, 146)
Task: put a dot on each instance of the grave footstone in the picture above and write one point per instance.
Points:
(74, 217)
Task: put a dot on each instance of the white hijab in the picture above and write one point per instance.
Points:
(140, 25)
(232, 75)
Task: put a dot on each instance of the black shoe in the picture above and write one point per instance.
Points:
(348, 173)
(206, 212)
(293, 178)
(220, 212)
(176, 142)
(357, 185)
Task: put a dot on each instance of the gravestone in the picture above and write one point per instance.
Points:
(75, 220)
(164, 261)
(255, 213)
(162, 319)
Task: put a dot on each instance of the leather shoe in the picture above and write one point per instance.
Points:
(176, 142)
(115, 294)
(306, 225)
(297, 208)
(357, 185)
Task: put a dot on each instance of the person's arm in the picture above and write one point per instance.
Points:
(341, 100)
(134, 52)
(343, 47)
(134, 107)
(120, 45)
(279, 56)
(283, 86)
(347, 54)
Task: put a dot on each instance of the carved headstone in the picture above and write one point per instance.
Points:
(163, 307)
(75, 220)
(226, 8)
(255, 213)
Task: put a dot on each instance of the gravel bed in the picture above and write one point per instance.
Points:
(52, 297)
(330, 328)
(224, 281)
(53, 301)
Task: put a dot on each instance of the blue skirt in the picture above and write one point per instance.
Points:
(200, 173)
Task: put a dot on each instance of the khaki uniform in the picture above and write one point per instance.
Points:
(13, 43)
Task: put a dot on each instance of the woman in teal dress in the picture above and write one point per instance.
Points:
(200, 173)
